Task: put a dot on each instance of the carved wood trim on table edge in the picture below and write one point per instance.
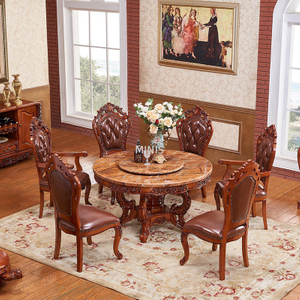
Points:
(155, 191)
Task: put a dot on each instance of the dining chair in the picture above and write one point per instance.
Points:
(221, 227)
(74, 218)
(265, 154)
(194, 133)
(40, 139)
(111, 126)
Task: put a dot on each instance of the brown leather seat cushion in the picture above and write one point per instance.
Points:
(261, 193)
(83, 178)
(44, 183)
(91, 218)
(211, 224)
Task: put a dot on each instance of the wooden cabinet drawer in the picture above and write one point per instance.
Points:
(8, 147)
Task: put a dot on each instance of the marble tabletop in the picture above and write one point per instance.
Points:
(195, 171)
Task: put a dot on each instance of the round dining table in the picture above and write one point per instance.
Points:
(182, 172)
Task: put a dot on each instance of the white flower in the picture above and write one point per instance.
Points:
(144, 109)
(148, 103)
(168, 122)
(174, 123)
(149, 114)
(175, 111)
(154, 117)
(180, 113)
(176, 107)
(153, 129)
(140, 105)
(135, 105)
(160, 108)
(172, 112)
(170, 106)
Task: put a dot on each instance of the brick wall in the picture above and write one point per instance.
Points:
(263, 78)
(133, 68)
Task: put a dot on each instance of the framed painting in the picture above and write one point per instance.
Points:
(3, 44)
(198, 35)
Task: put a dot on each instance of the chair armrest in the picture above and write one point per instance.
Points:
(231, 162)
(41, 165)
(228, 163)
(76, 155)
(72, 154)
(265, 174)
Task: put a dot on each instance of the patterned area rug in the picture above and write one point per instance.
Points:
(152, 270)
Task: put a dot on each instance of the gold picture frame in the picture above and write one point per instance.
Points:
(3, 44)
(198, 35)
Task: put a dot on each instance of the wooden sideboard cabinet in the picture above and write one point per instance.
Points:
(18, 145)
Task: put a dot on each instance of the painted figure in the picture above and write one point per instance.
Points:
(167, 27)
(189, 33)
(213, 47)
(177, 40)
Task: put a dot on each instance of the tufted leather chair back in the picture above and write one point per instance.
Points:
(111, 127)
(40, 138)
(194, 131)
(266, 148)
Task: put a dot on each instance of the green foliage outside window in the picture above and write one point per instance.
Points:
(99, 86)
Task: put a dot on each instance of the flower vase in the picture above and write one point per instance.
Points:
(17, 87)
(6, 94)
(159, 142)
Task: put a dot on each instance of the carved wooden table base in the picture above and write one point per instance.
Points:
(6, 274)
(152, 189)
(153, 211)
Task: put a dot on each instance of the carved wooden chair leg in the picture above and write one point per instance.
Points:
(79, 253)
(185, 245)
(203, 190)
(57, 240)
(217, 198)
(89, 240)
(118, 235)
(254, 209)
(87, 193)
(222, 260)
(245, 248)
(41, 203)
(264, 213)
(113, 197)
(51, 201)
(100, 189)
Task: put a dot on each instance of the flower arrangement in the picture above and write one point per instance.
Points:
(161, 117)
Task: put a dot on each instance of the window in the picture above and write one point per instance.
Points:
(284, 96)
(92, 57)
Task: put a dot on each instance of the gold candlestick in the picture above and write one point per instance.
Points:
(6, 94)
(17, 87)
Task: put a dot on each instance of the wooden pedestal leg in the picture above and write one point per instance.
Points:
(144, 219)
(178, 211)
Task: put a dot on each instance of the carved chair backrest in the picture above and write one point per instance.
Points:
(194, 131)
(238, 195)
(65, 190)
(266, 149)
(111, 127)
(40, 138)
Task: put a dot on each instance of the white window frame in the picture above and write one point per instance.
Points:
(279, 75)
(66, 61)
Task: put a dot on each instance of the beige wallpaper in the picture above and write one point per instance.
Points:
(236, 90)
(27, 42)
